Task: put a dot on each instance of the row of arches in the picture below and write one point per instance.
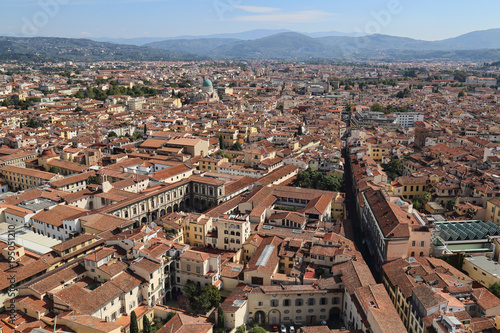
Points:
(274, 317)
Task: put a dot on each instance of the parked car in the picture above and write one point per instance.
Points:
(282, 328)
(274, 328)
(291, 329)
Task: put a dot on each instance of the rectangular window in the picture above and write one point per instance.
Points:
(188, 268)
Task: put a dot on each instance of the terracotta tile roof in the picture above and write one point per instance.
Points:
(391, 219)
(145, 264)
(195, 255)
(99, 254)
(57, 214)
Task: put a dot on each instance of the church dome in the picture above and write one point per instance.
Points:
(207, 83)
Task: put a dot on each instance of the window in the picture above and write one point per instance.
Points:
(299, 302)
(335, 300)
(323, 301)
(261, 304)
(198, 270)
(274, 302)
(413, 243)
(188, 268)
(422, 243)
(286, 302)
(311, 301)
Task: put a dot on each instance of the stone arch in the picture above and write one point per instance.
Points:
(169, 209)
(144, 220)
(334, 314)
(274, 316)
(176, 207)
(260, 317)
(162, 212)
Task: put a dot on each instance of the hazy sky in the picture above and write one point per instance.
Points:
(421, 19)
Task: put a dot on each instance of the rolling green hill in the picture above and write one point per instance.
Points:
(49, 48)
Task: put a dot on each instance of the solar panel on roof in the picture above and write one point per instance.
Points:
(236, 269)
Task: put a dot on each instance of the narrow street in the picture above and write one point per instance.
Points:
(354, 218)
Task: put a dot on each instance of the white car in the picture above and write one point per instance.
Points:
(291, 329)
(282, 328)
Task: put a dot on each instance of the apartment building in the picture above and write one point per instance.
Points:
(350, 296)
(20, 178)
(232, 233)
(493, 210)
(198, 267)
(392, 232)
(59, 222)
(152, 272)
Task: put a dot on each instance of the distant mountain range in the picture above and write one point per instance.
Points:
(246, 35)
(259, 44)
(300, 46)
(50, 48)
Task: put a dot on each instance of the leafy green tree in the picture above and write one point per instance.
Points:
(317, 180)
(450, 204)
(14, 99)
(54, 169)
(456, 260)
(403, 93)
(377, 107)
(394, 168)
(33, 123)
(461, 94)
(257, 329)
(112, 134)
(220, 317)
(201, 303)
(240, 329)
(191, 290)
(221, 142)
(146, 325)
(78, 109)
(212, 294)
(495, 289)
(237, 146)
(94, 180)
(299, 130)
(134, 327)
